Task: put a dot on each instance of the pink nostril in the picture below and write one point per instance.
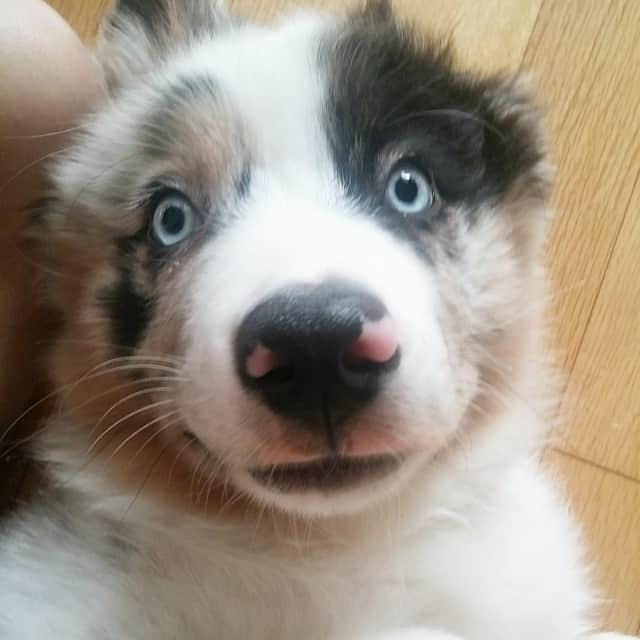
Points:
(262, 361)
(377, 343)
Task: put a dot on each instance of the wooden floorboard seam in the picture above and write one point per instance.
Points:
(534, 28)
(595, 465)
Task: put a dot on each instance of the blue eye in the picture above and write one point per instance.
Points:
(173, 220)
(409, 191)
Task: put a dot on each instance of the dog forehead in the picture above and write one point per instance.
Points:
(271, 78)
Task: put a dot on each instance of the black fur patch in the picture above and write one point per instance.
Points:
(379, 9)
(158, 16)
(392, 93)
(244, 183)
(129, 313)
(129, 310)
(149, 11)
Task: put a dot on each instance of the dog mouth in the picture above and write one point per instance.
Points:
(330, 473)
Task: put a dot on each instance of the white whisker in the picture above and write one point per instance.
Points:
(130, 415)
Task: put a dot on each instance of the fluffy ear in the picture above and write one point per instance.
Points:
(519, 139)
(516, 147)
(139, 34)
(378, 10)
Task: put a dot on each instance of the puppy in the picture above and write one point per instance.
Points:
(296, 274)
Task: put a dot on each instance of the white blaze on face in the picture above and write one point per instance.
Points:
(295, 227)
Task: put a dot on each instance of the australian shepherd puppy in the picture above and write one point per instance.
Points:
(296, 273)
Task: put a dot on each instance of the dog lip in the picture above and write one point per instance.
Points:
(330, 473)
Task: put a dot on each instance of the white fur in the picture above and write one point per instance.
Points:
(296, 228)
(479, 546)
(463, 543)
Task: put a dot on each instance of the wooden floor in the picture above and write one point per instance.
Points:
(585, 55)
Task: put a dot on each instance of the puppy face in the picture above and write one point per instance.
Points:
(292, 256)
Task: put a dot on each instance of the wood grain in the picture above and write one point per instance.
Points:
(83, 15)
(607, 505)
(606, 423)
(585, 55)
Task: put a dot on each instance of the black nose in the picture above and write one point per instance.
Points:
(317, 352)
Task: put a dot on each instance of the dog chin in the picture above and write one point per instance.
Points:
(329, 486)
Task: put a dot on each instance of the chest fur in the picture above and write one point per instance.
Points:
(261, 593)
